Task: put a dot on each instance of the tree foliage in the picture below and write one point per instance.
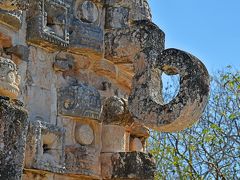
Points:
(211, 148)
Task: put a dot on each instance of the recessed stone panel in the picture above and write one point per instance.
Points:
(86, 29)
(45, 147)
(81, 101)
(48, 24)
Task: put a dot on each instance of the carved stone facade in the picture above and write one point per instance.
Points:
(90, 89)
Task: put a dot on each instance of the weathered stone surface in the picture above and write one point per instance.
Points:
(133, 165)
(86, 32)
(22, 52)
(9, 78)
(79, 101)
(12, 19)
(136, 145)
(183, 110)
(105, 68)
(115, 112)
(82, 155)
(45, 147)
(82, 54)
(13, 130)
(84, 135)
(48, 24)
(124, 45)
(118, 133)
(120, 14)
(82, 160)
(63, 64)
(13, 4)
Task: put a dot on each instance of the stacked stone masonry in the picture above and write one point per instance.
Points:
(80, 88)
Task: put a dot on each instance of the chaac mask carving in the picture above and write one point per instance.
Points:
(92, 85)
(9, 78)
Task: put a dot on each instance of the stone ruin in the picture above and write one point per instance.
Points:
(80, 86)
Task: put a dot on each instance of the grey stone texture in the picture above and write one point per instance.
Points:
(13, 131)
(132, 165)
(48, 24)
(45, 148)
(79, 101)
(192, 97)
(91, 83)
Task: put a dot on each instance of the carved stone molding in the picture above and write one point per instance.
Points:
(48, 24)
(9, 78)
(124, 45)
(86, 29)
(12, 19)
(186, 108)
(79, 101)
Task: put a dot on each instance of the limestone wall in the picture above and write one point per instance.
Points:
(77, 60)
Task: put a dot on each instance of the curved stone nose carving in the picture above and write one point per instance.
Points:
(145, 101)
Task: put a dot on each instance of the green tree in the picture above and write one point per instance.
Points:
(211, 148)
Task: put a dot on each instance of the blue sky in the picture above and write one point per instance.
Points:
(209, 29)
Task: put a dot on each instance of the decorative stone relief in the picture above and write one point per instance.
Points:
(79, 101)
(124, 45)
(45, 147)
(86, 29)
(86, 11)
(9, 78)
(12, 19)
(48, 24)
(185, 108)
(83, 151)
(84, 134)
(120, 14)
(118, 133)
(115, 112)
(125, 165)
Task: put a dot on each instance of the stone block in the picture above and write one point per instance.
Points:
(120, 14)
(132, 165)
(45, 147)
(86, 29)
(118, 133)
(105, 68)
(81, 101)
(83, 150)
(39, 70)
(117, 17)
(48, 24)
(115, 112)
(42, 109)
(12, 19)
(13, 131)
